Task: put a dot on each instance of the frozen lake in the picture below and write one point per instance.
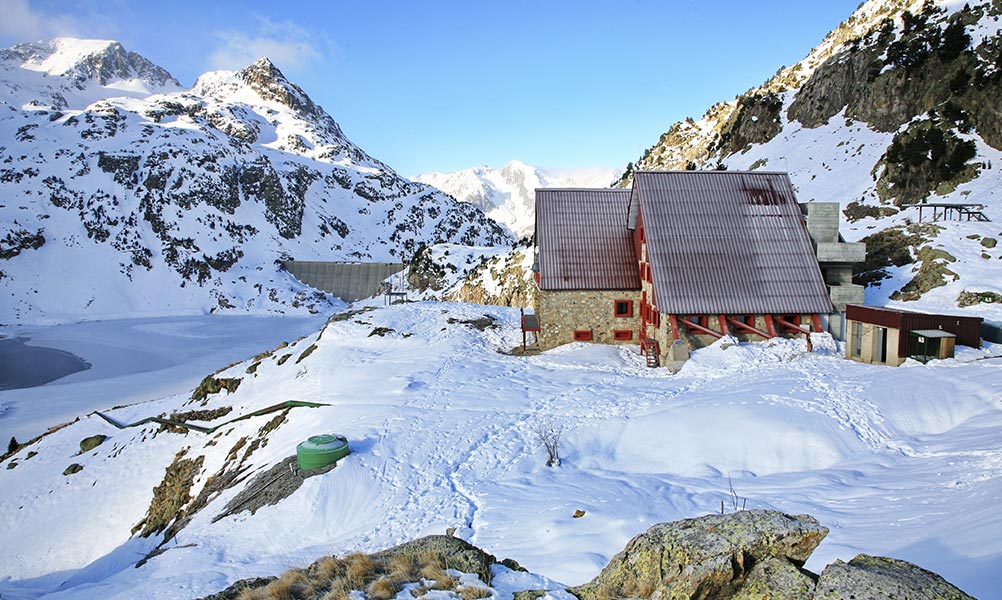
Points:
(23, 365)
(81, 367)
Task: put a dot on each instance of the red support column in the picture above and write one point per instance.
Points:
(816, 321)
(723, 324)
(674, 326)
(770, 326)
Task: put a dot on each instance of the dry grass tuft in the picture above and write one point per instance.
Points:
(361, 569)
(474, 592)
(252, 594)
(339, 590)
(383, 588)
(402, 568)
(438, 578)
(292, 585)
(329, 568)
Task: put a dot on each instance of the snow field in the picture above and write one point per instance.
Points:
(901, 462)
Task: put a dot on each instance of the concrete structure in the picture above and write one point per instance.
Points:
(685, 258)
(887, 336)
(836, 258)
(349, 281)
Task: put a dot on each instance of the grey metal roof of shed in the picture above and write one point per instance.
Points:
(583, 240)
(725, 242)
(934, 333)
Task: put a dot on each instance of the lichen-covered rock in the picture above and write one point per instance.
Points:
(458, 554)
(89, 443)
(879, 578)
(706, 557)
(776, 579)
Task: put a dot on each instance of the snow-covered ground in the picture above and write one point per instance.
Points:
(903, 462)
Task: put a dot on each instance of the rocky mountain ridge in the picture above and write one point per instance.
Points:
(151, 199)
(898, 106)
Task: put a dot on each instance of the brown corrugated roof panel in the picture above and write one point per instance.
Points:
(728, 242)
(583, 240)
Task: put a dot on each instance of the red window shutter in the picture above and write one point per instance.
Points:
(582, 335)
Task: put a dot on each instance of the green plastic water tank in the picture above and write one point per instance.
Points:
(321, 450)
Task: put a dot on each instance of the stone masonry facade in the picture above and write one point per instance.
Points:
(564, 312)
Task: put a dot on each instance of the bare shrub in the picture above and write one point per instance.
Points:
(737, 502)
(548, 434)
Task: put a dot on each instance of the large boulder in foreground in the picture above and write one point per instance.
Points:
(710, 557)
(880, 578)
(751, 555)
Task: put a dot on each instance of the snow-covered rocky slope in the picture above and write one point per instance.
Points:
(902, 462)
(508, 194)
(121, 193)
(898, 105)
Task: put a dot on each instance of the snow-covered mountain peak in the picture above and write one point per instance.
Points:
(64, 73)
(103, 61)
(196, 193)
(508, 194)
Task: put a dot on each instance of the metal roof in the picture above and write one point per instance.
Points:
(934, 333)
(725, 242)
(583, 241)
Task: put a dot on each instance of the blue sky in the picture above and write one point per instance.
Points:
(441, 86)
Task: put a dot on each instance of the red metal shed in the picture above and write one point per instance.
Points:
(967, 329)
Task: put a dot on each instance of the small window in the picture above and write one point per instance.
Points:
(623, 308)
(622, 334)
(582, 335)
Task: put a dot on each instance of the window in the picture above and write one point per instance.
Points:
(582, 335)
(857, 338)
(622, 334)
(623, 308)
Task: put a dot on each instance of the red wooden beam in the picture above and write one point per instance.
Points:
(748, 328)
(787, 326)
(816, 321)
(722, 320)
(690, 325)
(674, 326)
(770, 326)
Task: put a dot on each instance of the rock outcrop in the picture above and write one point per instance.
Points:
(880, 577)
(711, 557)
(749, 555)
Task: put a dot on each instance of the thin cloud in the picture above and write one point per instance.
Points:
(22, 23)
(287, 44)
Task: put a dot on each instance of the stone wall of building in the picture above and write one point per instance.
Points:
(561, 313)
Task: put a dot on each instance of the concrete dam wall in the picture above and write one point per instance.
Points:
(348, 281)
